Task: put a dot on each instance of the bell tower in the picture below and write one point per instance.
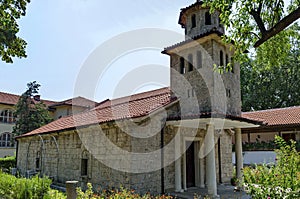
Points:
(193, 65)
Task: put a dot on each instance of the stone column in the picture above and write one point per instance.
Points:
(238, 155)
(211, 161)
(71, 189)
(202, 176)
(178, 187)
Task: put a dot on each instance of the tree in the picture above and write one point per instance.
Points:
(31, 114)
(273, 83)
(10, 44)
(253, 22)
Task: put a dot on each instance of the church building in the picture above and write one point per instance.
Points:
(160, 141)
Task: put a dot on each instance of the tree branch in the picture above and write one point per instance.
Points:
(281, 25)
(258, 20)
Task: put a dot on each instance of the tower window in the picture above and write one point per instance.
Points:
(221, 58)
(199, 59)
(182, 69)
(190, 58)
(207, 18)
(193, 19)
(227, 60)
(228, 93)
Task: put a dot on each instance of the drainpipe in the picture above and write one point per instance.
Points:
(162, 171)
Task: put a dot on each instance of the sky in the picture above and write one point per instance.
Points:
(63, 36)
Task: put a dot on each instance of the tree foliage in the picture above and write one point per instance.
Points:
(10, 44)
(273, 83)
(31, 114)
(251, 23)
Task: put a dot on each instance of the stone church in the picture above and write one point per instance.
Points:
(158, 141)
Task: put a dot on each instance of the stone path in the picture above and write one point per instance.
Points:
(224, 191)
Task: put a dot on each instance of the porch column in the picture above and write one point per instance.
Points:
(202, 164)
(211, 161)
(178, 187)
(238, 155)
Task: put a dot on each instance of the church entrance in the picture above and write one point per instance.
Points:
(190, 164)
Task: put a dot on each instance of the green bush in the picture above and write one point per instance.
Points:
(7, 163)
(281, 180)
(12, 187)
(114, 194)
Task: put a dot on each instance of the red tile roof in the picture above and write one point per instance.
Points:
(110, 110)
(276, 117)
(77, 101)
(11, 99)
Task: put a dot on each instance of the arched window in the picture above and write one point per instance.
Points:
(193, 20)
(199, 59)
(7, 116)
(182, 68)
(6, 140)
(191, 60)
(38, 161)
(207, 18)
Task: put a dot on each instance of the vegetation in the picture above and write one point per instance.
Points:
(22, 188)
(31, 114)
(7, 163)
(117, 194)
(10, 44)
(273, 83)
(281, 180)
(250, 23)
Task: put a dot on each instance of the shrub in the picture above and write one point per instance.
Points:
(114, 194)
(281, 180)
(22, 188)
(7, 163)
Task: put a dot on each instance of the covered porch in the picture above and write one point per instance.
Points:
(199, 161)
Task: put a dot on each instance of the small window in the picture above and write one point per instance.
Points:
(6, 140)
(221, 58)
(228, 93)
(193, 19)
(232, 65)
(182, 68)
(199, 59)
(84, 167)
(37, 161)
(190, 58)
(227, 60)
(207, 18)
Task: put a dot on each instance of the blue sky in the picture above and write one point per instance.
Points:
(61, 34)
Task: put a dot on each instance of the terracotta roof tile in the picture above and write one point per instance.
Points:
(12, 99)
(275, 117)
(77, 101)
(110, 110)
(204, 34)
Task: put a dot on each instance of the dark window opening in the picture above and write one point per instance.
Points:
(182, 69)
(228, 93)
(190, 58)
(37, 163)
(207, 18)
(199, 59)
(84, 167)
(193, 19)
(227, 60)
(221, 58)
(232, 65)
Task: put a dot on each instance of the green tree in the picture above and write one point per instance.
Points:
(31, 114)
(250, 23)
(273, 83)
(10, 44)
